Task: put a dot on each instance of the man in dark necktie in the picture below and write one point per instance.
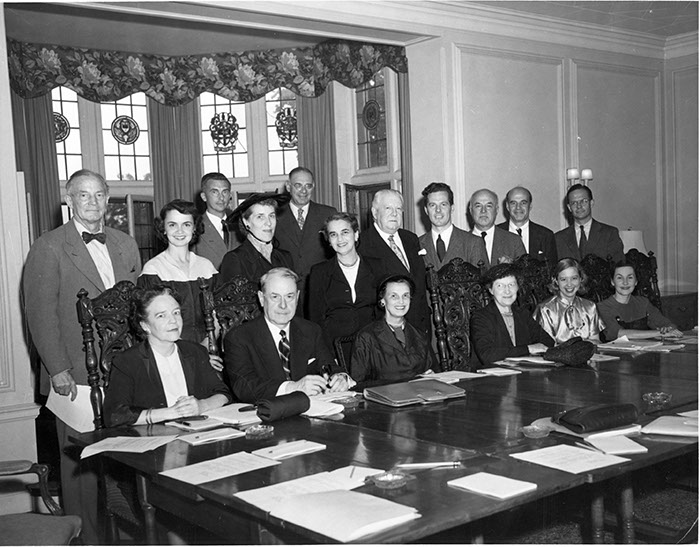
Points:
(218, 238)
(586, 235)
(278, 352)
(81, 254)
(538, 240)
(445, 241)
(501, 245)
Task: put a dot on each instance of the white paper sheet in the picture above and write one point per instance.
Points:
(219, 468)
(492, 485)
(77, 414)
(320, 408)
(136, 445)
(269, 498)
(283, 451)
(451, 376)
(205, 437)
(569, 458)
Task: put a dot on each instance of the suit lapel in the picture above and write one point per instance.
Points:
(149, 365)
(593, 237)
(298, 359)
(429, 247)
(76, 250)
(267, 349)
(115, 254)
(387, 336)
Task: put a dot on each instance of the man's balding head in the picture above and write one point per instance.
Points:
(483, 208)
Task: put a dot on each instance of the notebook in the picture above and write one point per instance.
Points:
(283, 451)
(494, 486)
(617, 445)
(411, 393)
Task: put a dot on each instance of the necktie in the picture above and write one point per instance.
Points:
(520, 231)
(400, 335)
(284, 350)
(582, 242)
(397, 252)
(224, 227)
(440, 248)
(88, 237)
(300, 218)
(483, 236)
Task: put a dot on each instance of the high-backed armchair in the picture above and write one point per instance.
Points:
(599, 272)
(647, 279)
(535, 276)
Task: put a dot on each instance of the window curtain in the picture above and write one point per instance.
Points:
(316, 130)
(176, 151)
(405, 147)
(35, 151)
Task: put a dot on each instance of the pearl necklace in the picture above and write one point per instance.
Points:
(349, 265)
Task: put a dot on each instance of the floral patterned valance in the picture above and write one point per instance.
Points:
(101, 76)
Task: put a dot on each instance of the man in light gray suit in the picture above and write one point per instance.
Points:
(445, 241)
(218, 238)
(81, 254)
(501, 245)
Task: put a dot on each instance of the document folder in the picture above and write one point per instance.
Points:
(411, 393)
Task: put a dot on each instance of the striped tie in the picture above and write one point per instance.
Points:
(398, 253)
(284, 350)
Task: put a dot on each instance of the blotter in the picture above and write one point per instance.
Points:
(344, 515)
(411, 393)
(494, 486)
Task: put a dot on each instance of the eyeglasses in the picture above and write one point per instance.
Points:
(583, 202)
(299, 186)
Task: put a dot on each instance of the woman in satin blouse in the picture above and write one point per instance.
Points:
(567, 315)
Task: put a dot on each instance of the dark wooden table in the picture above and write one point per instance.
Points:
(481, 429)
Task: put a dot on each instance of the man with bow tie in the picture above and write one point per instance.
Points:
(82, 253)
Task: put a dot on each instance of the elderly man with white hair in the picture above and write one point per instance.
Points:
(397, 250)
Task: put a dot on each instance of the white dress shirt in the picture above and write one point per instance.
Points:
(217, 222)
(171, 376)
(446, 234)
(295, 211)
(488, 239)
(397, 239)
(586, 228)
(525, 233)
(100, 256)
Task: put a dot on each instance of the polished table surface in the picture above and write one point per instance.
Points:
(481, 429)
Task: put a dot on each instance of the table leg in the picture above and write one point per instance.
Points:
(626, 502)
(149, 512)
(597, 514)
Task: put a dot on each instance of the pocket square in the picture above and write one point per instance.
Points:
(310, 361)
(422, 252)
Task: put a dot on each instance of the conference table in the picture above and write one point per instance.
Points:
(481, 430)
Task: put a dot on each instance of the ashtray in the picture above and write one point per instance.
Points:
(656, 400)
(259, 431)
(347, 402)
(388, 480)
(535, 431)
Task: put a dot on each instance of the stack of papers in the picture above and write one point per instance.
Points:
(290, 449)
(531, 360)
(618, 444)
(226, 415)
(135, 445)
(494, 486)
(344, 515)
(569, 458)
(451, 376)
(498, 371)
(679, 426)
(320, 408)
(547, 423)
(625, 344)
(219, 468)
(212, 436)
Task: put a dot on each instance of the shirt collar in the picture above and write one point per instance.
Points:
(586, 226)
(82, 228)
(295, 209)
(216, 221)
(446, 234)
(275, 330)
(513, 228)
(477, 231)
(384, 234)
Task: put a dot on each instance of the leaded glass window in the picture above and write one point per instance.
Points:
(67, 124)
(125, 138)
(220, 152)
(371, 123)
(282, 151)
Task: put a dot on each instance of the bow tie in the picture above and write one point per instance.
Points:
(88, 237)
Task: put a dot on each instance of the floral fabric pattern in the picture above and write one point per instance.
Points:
(101, 76)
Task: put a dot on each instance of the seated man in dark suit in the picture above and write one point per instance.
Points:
(501, 245)
(217, 238)
(538, 240)
(397, 250)
(278, 353)
(586, 235)
(445, 241)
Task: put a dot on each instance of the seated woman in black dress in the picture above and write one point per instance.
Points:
(163, 378)
(501, 329)
(625, 314)
(342, 290)
(391, 349)
(257, 220)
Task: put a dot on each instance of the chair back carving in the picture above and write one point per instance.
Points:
(343, 350)
(647, 280)
(535, 276)
(599, 272)
(456, 291)
(109, 313)
(234, 303)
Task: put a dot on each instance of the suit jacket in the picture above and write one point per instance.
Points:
(307, 247)
(378, 355)
(135, 383)
(253, 363)
(506, 244)
(464, 245)
(541, 241)
(603, 240)
(373, 246)
(248, 262)
(491, 339)
(58, 266)
(330, 302)
(211, 245)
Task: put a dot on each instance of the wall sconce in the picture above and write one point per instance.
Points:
(573, 175)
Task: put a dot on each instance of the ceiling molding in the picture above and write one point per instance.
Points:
(682, 45)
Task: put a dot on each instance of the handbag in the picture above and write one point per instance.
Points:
(596, 417)
(574, 352)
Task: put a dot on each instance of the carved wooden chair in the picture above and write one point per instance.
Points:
(456, 291)
(536, 276)
(233, 303)
(35, 528)
(599, 272)
(647, 280)
(342, 346)
(108, 313)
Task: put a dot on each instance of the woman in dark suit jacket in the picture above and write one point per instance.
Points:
(342, 290)
(163, 378)
(502, 330)
(257, 219)
(391, 349)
